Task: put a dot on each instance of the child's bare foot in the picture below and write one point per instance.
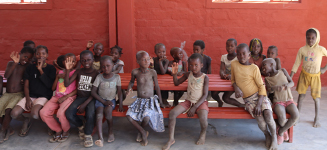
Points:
(99, 142)
(202, 138)
(139, 137)
(273, 145)
(111, 138)
(2, 135)
(169, 143)
(144, 141)
(316, 124)
(268, 140)
(10, 131)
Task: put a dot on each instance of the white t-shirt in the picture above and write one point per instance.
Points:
(119, 62)
(227, 63)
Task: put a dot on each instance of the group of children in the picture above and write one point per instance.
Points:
(89, 84)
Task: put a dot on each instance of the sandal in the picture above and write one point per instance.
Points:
(88, 141)
(23, 133)
(55, 138)
(63, 138)
(81, 132)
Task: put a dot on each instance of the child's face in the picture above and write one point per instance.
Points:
(106, 66)
(195, 65)
(161, 52)
(87, 60)
(230, 47)
(25, 58)
(256, 48)
(267, 67)
(197, 49)
(114, 54)
(41, 53)
(272, 53)
(144, 61)
(243, 55)
(311, 39)
(98, 50)
(178, 54)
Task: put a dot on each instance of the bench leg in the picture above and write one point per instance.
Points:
(290, 134)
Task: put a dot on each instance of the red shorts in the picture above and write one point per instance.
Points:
(285, 104)
(187, 104)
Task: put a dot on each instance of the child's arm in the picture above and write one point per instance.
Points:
(54, 85)
(163, 69)
(261, 93)
(89, 44)
(62, 99)
(82, 107)
(278, 64)
(131, 83)
(222, 70)
(191, 112)
(119, 67)
(157, 88)
(69, 66)
(297, 63)
(96, 96)
(174, 73)
(238, 91)
(289, 79)
(12, 65)
(29, 103)
(120, 97)
(209, 68)
(56, 65)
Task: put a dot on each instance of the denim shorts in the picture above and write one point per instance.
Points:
(99, 104)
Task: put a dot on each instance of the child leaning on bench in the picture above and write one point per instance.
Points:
(279, 82)
(145, 109)
(197, 92)
(248, 84)
(311, 54)
(14, 92)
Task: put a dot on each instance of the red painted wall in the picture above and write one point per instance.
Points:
(65, 28)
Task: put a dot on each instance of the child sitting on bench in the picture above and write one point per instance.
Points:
(197, 92)
(145, 109)
(248, 84)
(279, 82)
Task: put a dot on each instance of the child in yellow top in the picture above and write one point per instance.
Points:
(311, 54)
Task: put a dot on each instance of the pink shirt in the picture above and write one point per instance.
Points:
(61, 89)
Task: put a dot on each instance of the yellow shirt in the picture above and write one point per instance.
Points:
(311, 56)
(248, 79)
(96, 65)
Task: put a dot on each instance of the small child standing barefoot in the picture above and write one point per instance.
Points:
(279, 82)
(115, 53)
(14, 91)
(145, 109)
(311, 54)
(272, 52)
(248, 84)
(104, 91)
(177, 54)
(225, 73)
(256, 52)
(197, 92)
(64, 96)
(38, 80)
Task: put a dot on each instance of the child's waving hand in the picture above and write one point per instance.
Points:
(89, 44)
(15, 56)
(174, 68)
(69, 63)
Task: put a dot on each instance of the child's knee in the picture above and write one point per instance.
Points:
(99, 116)
(172, 115)
(35, 115)
(14, 114)
(268, 116)
(108, 116)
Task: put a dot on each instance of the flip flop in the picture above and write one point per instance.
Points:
(24, 133)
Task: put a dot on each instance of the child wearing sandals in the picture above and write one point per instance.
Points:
(14, 91)
(197, 92)
(145, 109)
(225, 74)
(104, 91)
(279, 82)
(84, 102)
(38, 80)
(64, 96)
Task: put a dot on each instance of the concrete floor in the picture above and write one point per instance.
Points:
(221, 134)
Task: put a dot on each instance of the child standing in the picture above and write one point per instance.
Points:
(197, 92)
(160, 65)
(64, 96)
(225, 73)
(14, 92)
(98, 50)
(104, 91)
(256, 52)
(247, 82)
(38, 80)
(115, 53)
(279, 82)
(177, 54)
(272, 52)
(145, 109)
(311, 54)
(84, 101)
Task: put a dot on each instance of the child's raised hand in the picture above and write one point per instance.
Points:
(40, 63)
(174, 68)
(89, 44)
(151, 60)
(129, 91)
(69, 63)
(15, 57)
(163, 58)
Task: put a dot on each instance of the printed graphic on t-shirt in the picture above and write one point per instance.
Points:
(311, 57)
(84, 83)
(61, 85)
